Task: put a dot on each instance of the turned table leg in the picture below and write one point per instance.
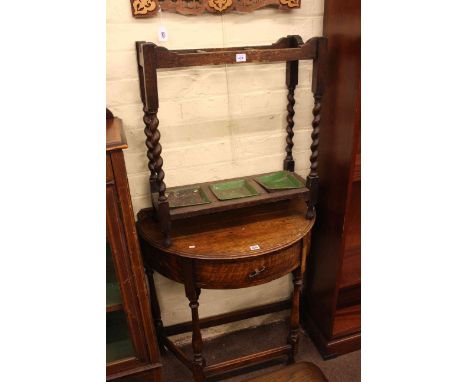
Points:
(155, 310)
(293, 337)
(193, 293)
(298, 275)
(197, 341)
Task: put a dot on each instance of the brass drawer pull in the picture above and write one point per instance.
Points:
(256, 272)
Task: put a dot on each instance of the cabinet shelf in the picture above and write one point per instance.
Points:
(118, 343)
(113, 297)
(119, 350)
(216, 205)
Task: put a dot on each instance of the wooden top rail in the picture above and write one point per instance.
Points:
(279, 51)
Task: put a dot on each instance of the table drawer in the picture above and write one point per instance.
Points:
(241, 273)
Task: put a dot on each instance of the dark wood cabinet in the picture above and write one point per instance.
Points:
(332, 296)
(131, 347)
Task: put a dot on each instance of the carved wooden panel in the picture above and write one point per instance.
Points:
(149, 8)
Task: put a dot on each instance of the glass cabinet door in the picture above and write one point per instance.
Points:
(118, 340)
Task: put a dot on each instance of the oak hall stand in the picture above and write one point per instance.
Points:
(235, 243)
(131, 348)
(291, 49)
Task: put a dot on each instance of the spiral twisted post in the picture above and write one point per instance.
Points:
(155, 163)
(315, 137)
(312, 178)
(152, 141)
(318, 88)
(292, 75)
(146, 57)
(289, 160)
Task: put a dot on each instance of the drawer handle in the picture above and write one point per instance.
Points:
(256, 272)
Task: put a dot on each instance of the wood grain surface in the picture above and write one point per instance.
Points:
(231, 234)
(300, 372)
(249, 272)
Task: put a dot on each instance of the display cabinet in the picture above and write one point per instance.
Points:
(131, 347)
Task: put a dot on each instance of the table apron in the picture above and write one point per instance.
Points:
(226, 273)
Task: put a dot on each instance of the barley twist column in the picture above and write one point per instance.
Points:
(155, 163)
(289, 160)
(318, 88)
(152, 140)
(312, 178)
(292, 76)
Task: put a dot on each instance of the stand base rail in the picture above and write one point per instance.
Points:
(241, 362)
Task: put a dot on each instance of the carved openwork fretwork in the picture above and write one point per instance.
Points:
(291, 3)
(219, 5)
(143, 7)
(149, 8)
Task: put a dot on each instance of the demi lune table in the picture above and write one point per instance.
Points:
(228, 250)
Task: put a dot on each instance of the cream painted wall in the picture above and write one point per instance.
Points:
(215, 122)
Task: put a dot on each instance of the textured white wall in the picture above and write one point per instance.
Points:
(216, 122)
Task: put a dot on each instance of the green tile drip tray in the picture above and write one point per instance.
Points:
(281, 180)
(187, 196)
(233, 189)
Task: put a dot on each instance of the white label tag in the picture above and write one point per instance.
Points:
(162, 34)
(254, 247)
(241, 57)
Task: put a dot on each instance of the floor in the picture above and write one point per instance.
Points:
(346, 368)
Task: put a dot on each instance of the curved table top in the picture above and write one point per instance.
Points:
(236, 234)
